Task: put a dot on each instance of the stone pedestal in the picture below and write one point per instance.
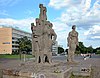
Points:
(63, 74)
(82, 70)
(31, 70)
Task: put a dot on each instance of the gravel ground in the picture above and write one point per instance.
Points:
(94, 62)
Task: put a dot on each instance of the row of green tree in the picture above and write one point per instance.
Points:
(25, 46)
(82, 49)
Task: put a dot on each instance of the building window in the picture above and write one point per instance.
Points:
(6, 42)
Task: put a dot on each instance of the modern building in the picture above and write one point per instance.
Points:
(60, 45)
(8, 39)
(55, 48)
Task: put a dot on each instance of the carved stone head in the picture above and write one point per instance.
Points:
(73, 27)
(41, 5)
(37, 20)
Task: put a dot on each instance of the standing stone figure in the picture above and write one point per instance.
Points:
(43, 37)
(49, 39)
(72, 43)
(37, 40)
(52, 39)
(33, 42)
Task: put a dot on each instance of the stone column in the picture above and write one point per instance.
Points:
(43, 10)
(33, 44)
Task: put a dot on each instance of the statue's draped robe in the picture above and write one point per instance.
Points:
(72, 43)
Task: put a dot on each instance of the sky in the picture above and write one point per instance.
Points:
(85, 14)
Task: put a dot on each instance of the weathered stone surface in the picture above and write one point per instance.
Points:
(72, 43)
(63, 72)
(43, 71)
(83, 70)
(8, 72)
(25, 74)
(43, 37)
(11, 72)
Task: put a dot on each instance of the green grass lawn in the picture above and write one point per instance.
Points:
(79, 76)
(13, 56)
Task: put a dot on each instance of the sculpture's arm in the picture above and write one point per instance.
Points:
(32, 27)
(55, 36)
(77, 40)
(68, 39)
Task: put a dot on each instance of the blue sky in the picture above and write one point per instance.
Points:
(85, 14)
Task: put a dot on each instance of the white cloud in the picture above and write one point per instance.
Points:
(96, 37)
(81, 13)
(24, 24)
(83, 18)
(59, 26)
(87, 5)
(93, 30)
(58, 4)
(61, 30)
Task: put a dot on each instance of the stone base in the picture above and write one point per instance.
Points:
(82, 70)
(56, 69)
(60, 74)
(44, 74)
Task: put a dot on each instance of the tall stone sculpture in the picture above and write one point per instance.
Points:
(43, 11)
(43, 37)
(72, 43)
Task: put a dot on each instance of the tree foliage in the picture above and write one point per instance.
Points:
(25, 44)
(60, 50)
(90, 49)
(82, 49)
(97, 50)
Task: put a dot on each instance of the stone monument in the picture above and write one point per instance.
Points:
(43, 37)
(72, 43)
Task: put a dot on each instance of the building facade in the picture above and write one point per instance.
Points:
(8, 39)
(55, 48)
